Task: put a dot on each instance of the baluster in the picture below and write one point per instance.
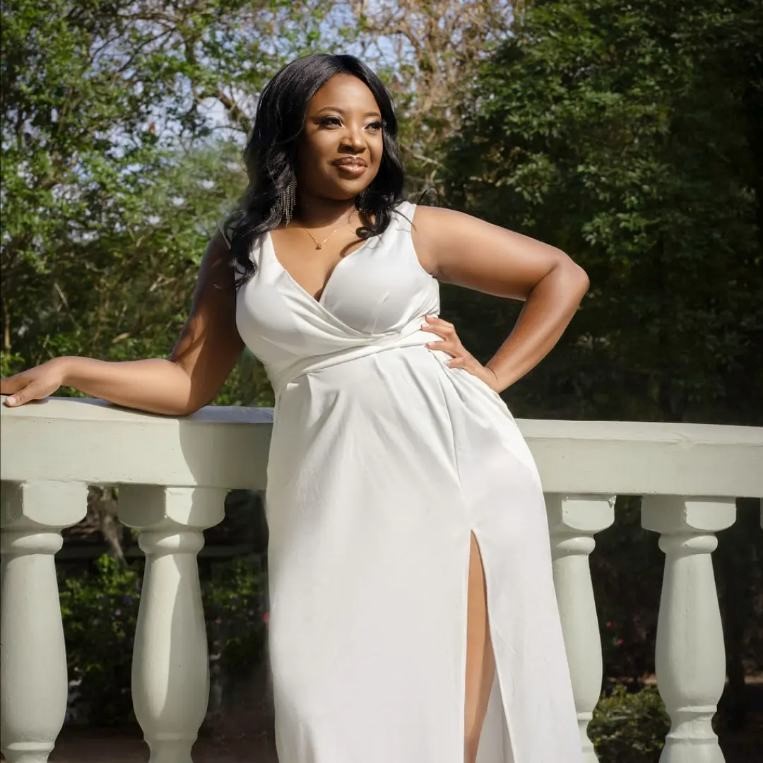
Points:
(170, 668)
(690, 658)
(573, 521)
(33, 673)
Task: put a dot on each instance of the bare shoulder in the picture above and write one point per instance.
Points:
(466, 250)
(431, 220)
(434, 227)
(424, 233)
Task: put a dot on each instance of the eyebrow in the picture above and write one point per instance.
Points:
(336, 108)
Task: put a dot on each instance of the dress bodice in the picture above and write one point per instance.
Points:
(375, 299)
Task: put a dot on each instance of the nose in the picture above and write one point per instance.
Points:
(353, 137)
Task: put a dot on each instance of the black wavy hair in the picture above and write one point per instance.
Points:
(270, 154)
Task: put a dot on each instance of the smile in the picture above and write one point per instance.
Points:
(353, 168)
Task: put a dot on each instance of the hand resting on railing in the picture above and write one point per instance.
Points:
(187, 380)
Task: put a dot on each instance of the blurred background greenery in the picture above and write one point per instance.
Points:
(628, 134)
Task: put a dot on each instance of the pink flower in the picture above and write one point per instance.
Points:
(266, 617)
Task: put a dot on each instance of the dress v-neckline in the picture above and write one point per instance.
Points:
(317, 300)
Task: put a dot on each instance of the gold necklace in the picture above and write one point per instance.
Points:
(319, 244)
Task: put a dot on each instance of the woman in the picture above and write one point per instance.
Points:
(411, 595)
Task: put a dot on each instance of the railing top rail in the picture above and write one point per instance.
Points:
(91, 440)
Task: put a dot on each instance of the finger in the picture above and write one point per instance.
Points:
(441, 345)
(444, 331)
(434, 330)
(443, 325)
(10, 384)
(434, 319)
(21, 397)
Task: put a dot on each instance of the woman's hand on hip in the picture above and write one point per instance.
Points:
(451, 344)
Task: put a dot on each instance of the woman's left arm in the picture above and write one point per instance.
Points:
(467, 251)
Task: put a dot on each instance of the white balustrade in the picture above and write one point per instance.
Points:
(170, 668)
(573, 521)
(690, 657)
(34, 686)
(173, 474)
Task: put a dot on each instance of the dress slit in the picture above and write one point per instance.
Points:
(496, 741)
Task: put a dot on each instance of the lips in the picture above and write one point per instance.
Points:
(349, 162)
(350, 168)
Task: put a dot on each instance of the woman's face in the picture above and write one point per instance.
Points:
(340, 148)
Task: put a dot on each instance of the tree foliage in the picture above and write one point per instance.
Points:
(428, 53)
(115, 169)
(626, 135)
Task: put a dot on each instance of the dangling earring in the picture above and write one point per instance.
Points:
(287, 200)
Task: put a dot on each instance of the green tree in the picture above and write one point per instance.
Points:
(113, 170)
(624, 134)
(427, 53)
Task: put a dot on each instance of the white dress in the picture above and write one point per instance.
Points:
(382, 461)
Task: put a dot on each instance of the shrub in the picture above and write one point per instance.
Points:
(629, 727)
(100, 611)
(235, 605)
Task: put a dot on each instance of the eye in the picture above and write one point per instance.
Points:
(377, 125)
(328, 120)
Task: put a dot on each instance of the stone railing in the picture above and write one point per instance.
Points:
(173, 475)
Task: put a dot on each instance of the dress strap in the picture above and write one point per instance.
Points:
(404, 217)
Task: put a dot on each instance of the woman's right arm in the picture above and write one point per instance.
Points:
(200, 362)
